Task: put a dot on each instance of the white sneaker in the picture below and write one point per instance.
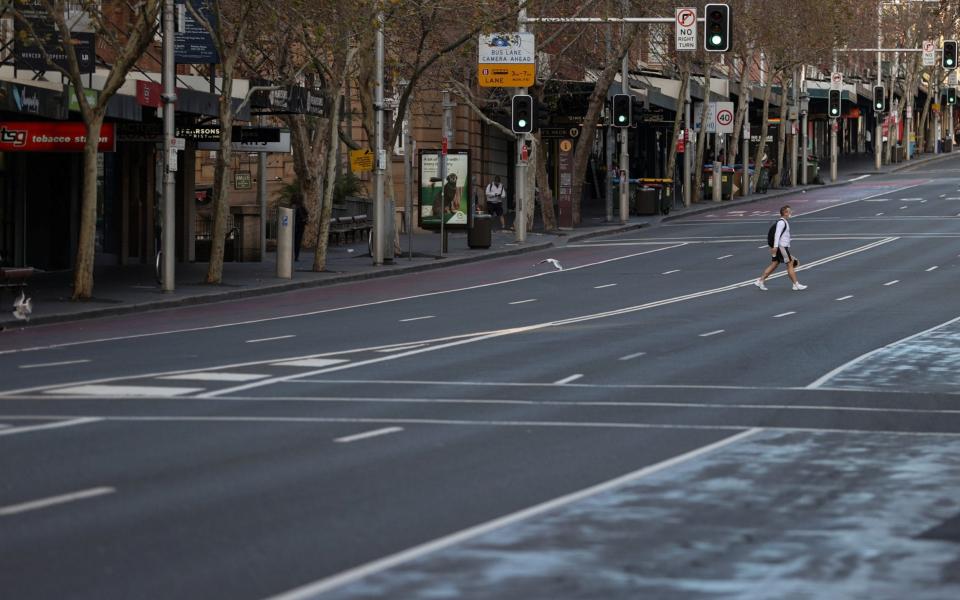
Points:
(799, 286)
(760, 285)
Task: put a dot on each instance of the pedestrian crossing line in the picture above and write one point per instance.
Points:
(894, 282)
(313, 363)
(842, 298)
(215, 376)
(785, 314)
(125, 391)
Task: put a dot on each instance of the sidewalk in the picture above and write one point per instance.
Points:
(126, 289)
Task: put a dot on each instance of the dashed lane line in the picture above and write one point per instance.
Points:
(14, 509)
(215, 376)
(528, 300)
(126, 391)
(711, 333)
(632, 356)
(600, 287)
(270, 339)
(367, 435)
(417, 318)
(313, 363)
(56, 425)
(785, 314)
(933, 268)
(894, 282)
(569, 379)
(62, 363)
(842, 298)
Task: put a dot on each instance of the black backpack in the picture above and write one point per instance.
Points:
(772, 232)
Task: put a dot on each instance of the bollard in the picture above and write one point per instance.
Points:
(717, 178)
(285, 243)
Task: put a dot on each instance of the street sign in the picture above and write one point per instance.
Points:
(952, 78)
(836, 80)
(361, 161)
(719, 117)
(443, 145)
(506, 60)
(686, 28)
(929, 53)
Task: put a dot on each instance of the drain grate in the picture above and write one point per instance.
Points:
(948, 531)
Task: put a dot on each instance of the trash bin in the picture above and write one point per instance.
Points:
(726, 183)
(478, 236)
(646, 201)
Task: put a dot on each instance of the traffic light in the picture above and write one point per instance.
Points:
(716, 28)
(949, 58)
(622, 110)
(951, 95)
(833, 105)
(879, 99)
(521, 114)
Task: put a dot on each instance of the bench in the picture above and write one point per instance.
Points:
(15, 277)
(342, 227)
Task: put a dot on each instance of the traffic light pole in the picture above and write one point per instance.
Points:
(624, 151)
(520, 186)
(169, 97)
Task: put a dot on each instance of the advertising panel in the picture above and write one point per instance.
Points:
(453, 192)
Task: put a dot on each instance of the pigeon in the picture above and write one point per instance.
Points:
(556, 264)
(22, 307)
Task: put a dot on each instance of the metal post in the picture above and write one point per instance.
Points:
(169, 97)
(520, 185)
(834, 125)
(624, 148)
(908, 127)
(745, 184)
(950, 113)
(804, 107)
(379, 206)
(877, 137)
(608, 196)
(891, 133)
(794, 130)
(687, 149)
(408, 158)
(447, 141)
(285, 225)
(262, 201)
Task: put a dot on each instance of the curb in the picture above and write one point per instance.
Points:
(268, 289)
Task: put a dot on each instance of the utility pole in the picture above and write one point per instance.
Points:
(447, 136)
(687, 147)
(877, 138)
(169, 97)
(608, 196)
(745, 142)
(834, 125)
(408, 156)
(624, 147)
(520, 185)
(804, 107)
(262, 201)
(794, 129)
(379, 206)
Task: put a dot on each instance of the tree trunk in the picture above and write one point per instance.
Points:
(782, 132)
(546, 193)
(678, 121)
(323, 229)
(581, 155)
(306, 137)
(762, 144)
(221, 204)
(86, 248)
(743, 108)
(922, 128)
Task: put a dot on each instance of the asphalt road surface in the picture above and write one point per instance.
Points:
(644, 423)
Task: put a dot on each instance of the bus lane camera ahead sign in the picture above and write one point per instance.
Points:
(686, 28)
(506, 60)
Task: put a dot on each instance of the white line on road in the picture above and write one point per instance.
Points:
(600, 287)
(632, 356)
(270, 339)
(399, 348)
(45, 426)
(669, 272)
(54, 500)
(842, 298)
(55, 364)
(367, 434)
(902, 207)
(709, 333)
(311, 590)
(785, 314)
(879, 214)
(417, 318)
(725, 256)
(933, 268)
(570, 379)
(524, 301)
(894, 282)
(310, 362)
(125, 391)
(215, 376)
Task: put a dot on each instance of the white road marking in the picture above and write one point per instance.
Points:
(894, 282)
(841, 298)
(669, 272)
(14, 509)
(417, 318)
(725, 256)
(785, 314)
(910, 199)
(632, 356)
(858, 178)
(45, 426)
(339, 308)
(311, 590)
(313, 363)
(367, 434)
(215, 376)
(270, 339)
(954, 198)
(125, 391)
(933, 268)
(943, 195)
(878, 200)
(600, 287)
(879, 214)
(470, 338)
(759, 247)
(903, 207)
(524, 301)
(709, 333)
(570, 379)
(55, 364)
(824, 378)
(400, 348)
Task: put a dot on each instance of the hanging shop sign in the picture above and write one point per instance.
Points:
(35, 34)
(193, 44)
(40, 136)
(452, 194)
(247, 139)
(30, 100)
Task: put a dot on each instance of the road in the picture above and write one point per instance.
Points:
(644, 422)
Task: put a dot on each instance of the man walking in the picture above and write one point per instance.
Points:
(495, 195)
(780, 252)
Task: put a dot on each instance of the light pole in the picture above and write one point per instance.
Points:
(169, 97)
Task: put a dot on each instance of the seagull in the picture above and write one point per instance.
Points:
(22, 307)
(556, 264)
